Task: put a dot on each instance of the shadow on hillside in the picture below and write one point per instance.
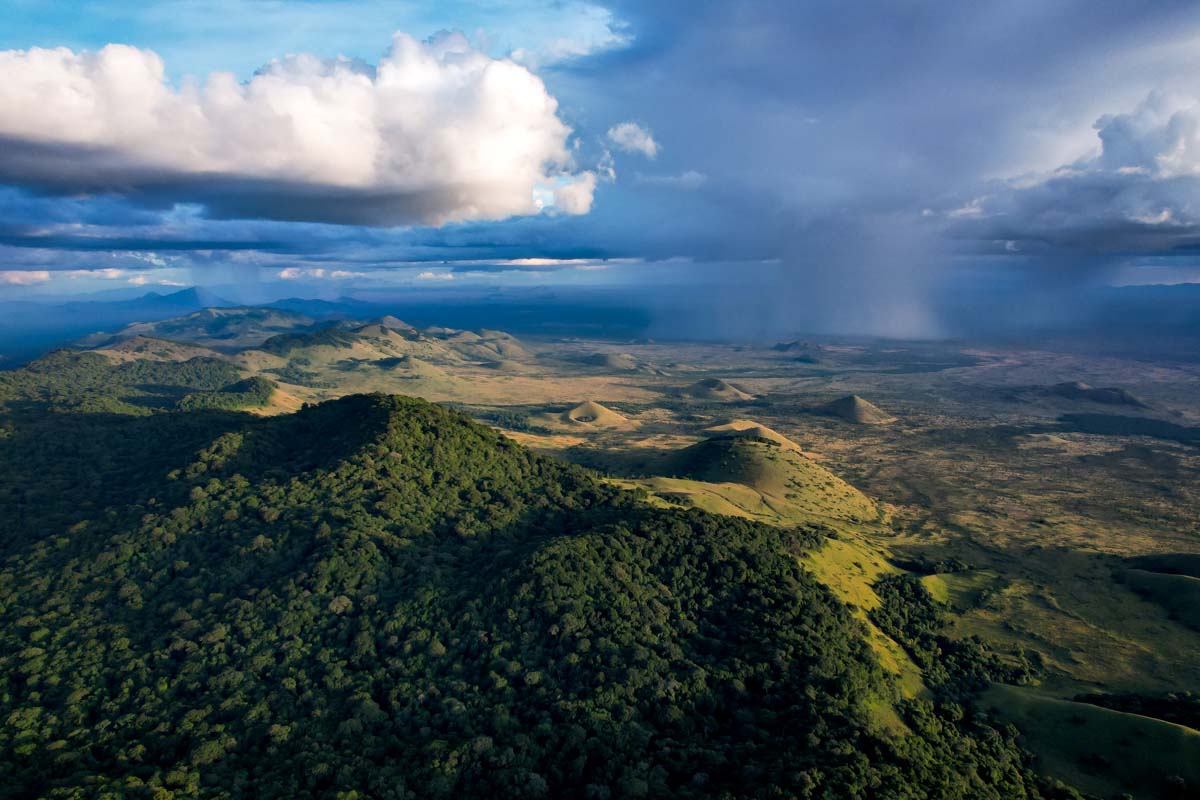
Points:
(59, 469)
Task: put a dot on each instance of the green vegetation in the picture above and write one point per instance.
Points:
(1025, 531)
(926, 565)
(71, 380)
(376, 597)
(294, 373)
(510, 419)
(1178, 595)
(1182, 708)
(851, 569)
(285, 343)
(249, 393)
(1101, 751)
(955, 668)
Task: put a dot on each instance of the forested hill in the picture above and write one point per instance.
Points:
(85, 382)
(377, 598)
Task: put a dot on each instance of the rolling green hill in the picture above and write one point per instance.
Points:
(249, 393)
(1109, 753)
(1171, 580)
(375, 597)
(1178, 594)
(76, 381)
(793, 486)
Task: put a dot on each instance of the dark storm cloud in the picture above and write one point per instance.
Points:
(1095, 213)
(22, 208)
(824, 109)
(26, 238)
(66, 170)
(840, 138)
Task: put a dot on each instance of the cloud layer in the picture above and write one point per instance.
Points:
(1140, 193)
(438, 132)
(17, 277)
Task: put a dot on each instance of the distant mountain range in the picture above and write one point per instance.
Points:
(28, 329)
(1164, 319)
(182, 301)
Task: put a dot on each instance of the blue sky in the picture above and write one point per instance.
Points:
(200, 36)
(841, 163)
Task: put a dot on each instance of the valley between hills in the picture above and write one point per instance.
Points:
(1017, 530)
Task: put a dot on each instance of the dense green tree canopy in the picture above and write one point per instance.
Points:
(81, 381)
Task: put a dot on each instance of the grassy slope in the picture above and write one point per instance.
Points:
(1099, 750)
(790, 484)
(1088, 630)
(960, 590)
(1179, 595)
(849, 567)
(766, 483)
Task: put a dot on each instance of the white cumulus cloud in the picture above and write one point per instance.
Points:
(633, 138)
(438, 132)
(575, 196)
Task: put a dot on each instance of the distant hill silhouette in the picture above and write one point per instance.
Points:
(804, 352)
(592, 413)
(1108, 395)
(615, 361)
(853, 408)
(715, 389)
